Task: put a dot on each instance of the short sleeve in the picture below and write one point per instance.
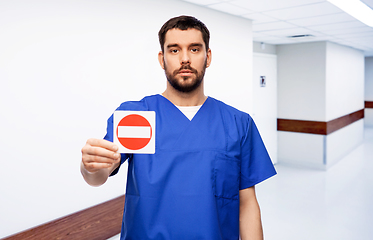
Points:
(256, 165)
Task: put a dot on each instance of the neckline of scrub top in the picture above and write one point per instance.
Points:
(189, 111)
(180, 112)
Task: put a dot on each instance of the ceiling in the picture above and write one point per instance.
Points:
(276, 21)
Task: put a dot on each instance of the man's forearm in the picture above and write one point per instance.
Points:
(250, 219)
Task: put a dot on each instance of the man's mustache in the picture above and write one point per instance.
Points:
(185, 67)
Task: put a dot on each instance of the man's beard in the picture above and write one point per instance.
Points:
(185, 88)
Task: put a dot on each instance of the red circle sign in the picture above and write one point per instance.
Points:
(134, 143)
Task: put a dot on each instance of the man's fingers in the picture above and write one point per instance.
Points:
(100, 152)
(102, 143)
(99, 159)
(94, 166)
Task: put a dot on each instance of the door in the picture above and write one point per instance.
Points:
(265, 100)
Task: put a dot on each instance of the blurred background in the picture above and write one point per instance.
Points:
(65, 66)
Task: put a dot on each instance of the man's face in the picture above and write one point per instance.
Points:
(184, 59)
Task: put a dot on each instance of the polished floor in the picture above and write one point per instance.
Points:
(302, 204)
(306, 204)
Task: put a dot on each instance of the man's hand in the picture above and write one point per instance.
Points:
(98, 154)
(99, 159)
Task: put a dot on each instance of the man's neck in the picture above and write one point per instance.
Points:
(194, 98)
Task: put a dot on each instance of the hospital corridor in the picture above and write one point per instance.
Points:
(301, 70)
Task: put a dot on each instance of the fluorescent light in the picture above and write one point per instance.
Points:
(356, 9)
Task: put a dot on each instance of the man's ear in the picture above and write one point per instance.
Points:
(161, 59)
(208, 58)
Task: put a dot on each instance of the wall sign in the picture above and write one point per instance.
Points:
(262, 81)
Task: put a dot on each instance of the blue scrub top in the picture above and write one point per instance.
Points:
(189, 189)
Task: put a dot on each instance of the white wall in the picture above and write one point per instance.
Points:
(301, 149)
(344, 80)
(319, 151)
(368, 117)
(369, 79)
(301, 81)
(264, 48)
(343, 141)
(64, 67)
(265, 100)
(369, 90)
(344, 95)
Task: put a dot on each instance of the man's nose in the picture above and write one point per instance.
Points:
(185, 57)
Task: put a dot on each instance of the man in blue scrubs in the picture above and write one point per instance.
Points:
(200, 183)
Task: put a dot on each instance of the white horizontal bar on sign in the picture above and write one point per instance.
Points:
(133, 132)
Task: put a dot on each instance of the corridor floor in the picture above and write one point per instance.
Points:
(337, 204)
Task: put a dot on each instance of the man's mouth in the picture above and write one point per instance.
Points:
(185, 72)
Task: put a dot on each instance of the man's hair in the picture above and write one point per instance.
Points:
(184, 23)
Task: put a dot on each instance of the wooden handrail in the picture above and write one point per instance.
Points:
(318, 127)
(95, 223)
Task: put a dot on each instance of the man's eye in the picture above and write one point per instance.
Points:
(174, 51)
(194, 49)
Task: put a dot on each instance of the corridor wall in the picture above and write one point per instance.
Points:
(369, 91)
(320, 85)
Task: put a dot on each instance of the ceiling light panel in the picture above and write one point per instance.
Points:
(322, 20)
(335, 26)
(356, 35)
(292, 32)
(267, 5)
(305, 11)
(357, 9)
(350, 30)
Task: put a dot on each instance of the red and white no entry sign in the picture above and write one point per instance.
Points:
(134, 131)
